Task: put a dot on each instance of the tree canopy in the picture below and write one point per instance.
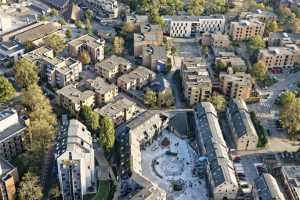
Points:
(84, 57)
(196, 7)
(150, 98)
(26, 73)
(107, 133)
(55, 42)
(259, 71)
(7, 91)
(30, 187)
(90, 117)
(287, 98)
(219, 102)
(290, 117)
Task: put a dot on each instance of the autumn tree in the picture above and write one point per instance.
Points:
(196, 7)
(259, 71)
(69, 33)
(287, 98)
(215, 6)
(26, 73)
(128, 27)
(84, 57)
(7, 91)
(219, 102)
(150, 98)
(55, 42)
(256, 43)
(290, 117)
(107, 133)
(271, 26)
(118, 45)
(30, 187)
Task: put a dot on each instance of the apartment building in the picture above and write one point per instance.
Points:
(11, 50)
(9, 179)
(241, 125)
(36, 56)
(135, 79)
(277, 39)
(61, 72)
(93, 45)
(231, 60)
(104, 92)
(266, 188)
(220, 40)
(282, 57)
(149, 34)
(108, 7)
(261, 15)
(112, 67)
(188, 26)
(137, 20)
(131, 138)
(76, 162)
(196, 82)
(155, 57)
(246, 29)
(12, 133)
(288, 177)
(120, 110)
(217, 166)
(72, 99)
(236, 85)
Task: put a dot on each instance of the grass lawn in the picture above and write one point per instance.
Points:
(103, 191)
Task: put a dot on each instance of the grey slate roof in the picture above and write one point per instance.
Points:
(267, 188)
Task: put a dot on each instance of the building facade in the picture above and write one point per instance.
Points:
(196, 82)
(12, 50)
(120, 110)
(237, 85)
(9, 179)
(135, 79)
(217, 167)
(76, 162)
(241, 125)
(93, 45)
(104, 92)
(112, 67)
(12, 134)
(246, 29)
(72, 99)
(188, 26)
(278, 57)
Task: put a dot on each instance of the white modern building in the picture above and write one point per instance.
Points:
(75, 162)
(217, 166)
(188, 26)
(11, 50)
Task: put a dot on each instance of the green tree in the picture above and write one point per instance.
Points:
(221, 66)
(78, 24)
(271, 26)
(26, 73)
(205, 51)
(30, 188)
(290, 117)
(28, 46)
(84, 57)
(53, 13)
(88, 26)
(7, 91)
(166, 98)
(55, 193)
(55, 42)
(259, 71)
(196, 7)
(296, 26)
(256, 43)
(90, 118)
(89, 15)
(215, 6)
(69, 33)
(150, 98)
(43, 18)
(287, 98)
(62, 21)
(219, 102)
(107, 133)
(286, 16)
(118, 45)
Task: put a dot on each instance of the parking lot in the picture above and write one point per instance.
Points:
(187, 47)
